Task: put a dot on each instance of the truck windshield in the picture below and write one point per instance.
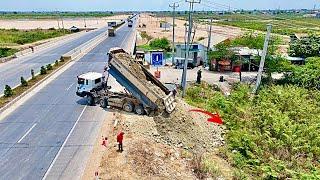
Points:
(80, 81)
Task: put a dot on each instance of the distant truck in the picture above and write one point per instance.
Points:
(112, 24)
(130, 23)
(111, 32)
(144, 93)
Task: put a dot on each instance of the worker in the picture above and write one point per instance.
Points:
(199, 76)
(119, 140)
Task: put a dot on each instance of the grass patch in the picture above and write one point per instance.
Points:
(273, 135)
(5, 52)
(20, 37)
(22, 88)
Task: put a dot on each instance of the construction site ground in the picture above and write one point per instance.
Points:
(153, 29)
(161, 147)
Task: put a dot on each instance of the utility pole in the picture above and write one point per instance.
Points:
(85, 23)
(62, 21)
(184, 74)
(263, 58)
(173, 6)
(209, 40)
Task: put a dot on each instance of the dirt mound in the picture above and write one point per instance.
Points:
(189, 130)
(143, 157)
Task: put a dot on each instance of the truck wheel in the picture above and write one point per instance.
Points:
(104, 103)
(128, 107)
(139, 110)
(90, 100)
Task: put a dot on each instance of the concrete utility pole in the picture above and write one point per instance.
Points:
(173, 6)
(263, 58)
(184, 74)
(209, 39)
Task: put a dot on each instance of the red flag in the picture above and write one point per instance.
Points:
(215, 118)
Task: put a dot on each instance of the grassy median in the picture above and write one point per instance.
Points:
(30, 83)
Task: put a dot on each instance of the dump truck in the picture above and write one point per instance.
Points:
(144, 93)
(111, 32)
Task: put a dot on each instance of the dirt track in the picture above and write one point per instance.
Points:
(153, 29)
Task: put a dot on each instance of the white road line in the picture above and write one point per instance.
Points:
(64, 143)
(27, 133)
(69, 87)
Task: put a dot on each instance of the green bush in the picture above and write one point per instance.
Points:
(43, 70)
(305, 47)
(56, 63)
(8, 92)
(49, 67)
(23, 82)
(307, 76)
(163, 44)
(273, 135)
(5, 52)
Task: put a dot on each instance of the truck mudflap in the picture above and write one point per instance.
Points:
(169, 102)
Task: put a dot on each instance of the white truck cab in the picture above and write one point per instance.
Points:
(87, 82)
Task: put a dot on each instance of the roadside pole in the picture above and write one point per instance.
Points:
(263, 58)
(184, 74)
(173, 6)
(209, 39)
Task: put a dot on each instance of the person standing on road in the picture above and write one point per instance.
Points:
(119, 140)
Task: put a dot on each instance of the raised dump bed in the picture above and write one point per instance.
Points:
(139, 82)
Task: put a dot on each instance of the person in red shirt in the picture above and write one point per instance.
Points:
(119, 140)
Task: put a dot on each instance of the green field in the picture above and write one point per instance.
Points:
(14, 37)
(284, 24)
(52, 15)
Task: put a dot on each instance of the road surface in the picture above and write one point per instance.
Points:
(52, 134)
(10, 72)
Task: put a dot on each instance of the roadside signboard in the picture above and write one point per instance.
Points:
(157, 58)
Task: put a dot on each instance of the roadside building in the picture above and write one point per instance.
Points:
(197, 52)
(247, 57)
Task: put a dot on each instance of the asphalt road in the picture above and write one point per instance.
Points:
(54, 131)
(10, 72)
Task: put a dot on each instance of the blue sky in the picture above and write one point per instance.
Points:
(120, 5)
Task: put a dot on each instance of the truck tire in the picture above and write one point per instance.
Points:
(139, 110)
(90, 100)
(104, 103)
(128, 106)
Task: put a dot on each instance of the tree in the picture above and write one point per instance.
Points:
(162, 43)
(23, 82)
(49, 67)
(43, 70)
(8, 91)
